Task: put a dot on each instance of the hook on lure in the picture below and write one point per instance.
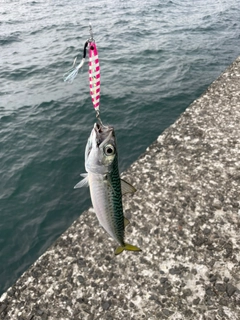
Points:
(73, 72)
(99, 119)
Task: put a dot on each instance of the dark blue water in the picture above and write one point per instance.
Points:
(156, 57)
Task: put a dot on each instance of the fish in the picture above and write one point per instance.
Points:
(106, 186)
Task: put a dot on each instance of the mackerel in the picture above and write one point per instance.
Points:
(106, 187)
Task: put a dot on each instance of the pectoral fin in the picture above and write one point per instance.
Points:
(127, 187)
(82, 183)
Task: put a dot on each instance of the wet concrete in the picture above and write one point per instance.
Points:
(185, 216)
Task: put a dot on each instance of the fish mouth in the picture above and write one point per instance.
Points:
(100, 129)
(103, 133)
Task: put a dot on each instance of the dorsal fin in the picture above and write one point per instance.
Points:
(127, 187)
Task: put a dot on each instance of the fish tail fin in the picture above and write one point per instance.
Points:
(127, 247)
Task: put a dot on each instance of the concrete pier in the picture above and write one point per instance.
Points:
(185, 216)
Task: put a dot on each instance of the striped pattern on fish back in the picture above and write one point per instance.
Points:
(116, 199)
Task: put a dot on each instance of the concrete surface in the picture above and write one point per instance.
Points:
(185, 216)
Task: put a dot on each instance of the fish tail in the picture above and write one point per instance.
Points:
(127, 247)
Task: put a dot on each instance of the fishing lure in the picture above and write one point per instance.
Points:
(93, 71)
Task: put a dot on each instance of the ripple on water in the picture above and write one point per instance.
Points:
(10, 39)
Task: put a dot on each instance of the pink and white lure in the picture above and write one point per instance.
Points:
(94, 75)
(94, 70)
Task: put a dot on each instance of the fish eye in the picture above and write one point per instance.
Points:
(109, 150)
